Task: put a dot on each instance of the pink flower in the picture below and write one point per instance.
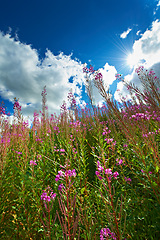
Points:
(60, 187)
(108, 171)
(120, 161)
(47, 195)
(73, 172)
(127, 179)
(99, 76)
(115, 175)
(32, 163)
(61, 173)
(57, 178)
(91, 69)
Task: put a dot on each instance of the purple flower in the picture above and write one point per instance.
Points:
(32, 163)
(91, 69)
(53, 195)
(74, 173)
(57, 178)
(47, 195)
(60, 187)
(120, 161)
(108, 171)
(97, 173)
(99, 76)
(115, 174)
(100, 168)
(128, 179)
(60, 173)
(106, 232)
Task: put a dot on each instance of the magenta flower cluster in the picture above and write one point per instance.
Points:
(67, 173)
(17, 105)
(48, 195)
(107, 171)
(106, 233)
(128, 180)
(120, 161)
(139, 69)
(64, 174)
(32, 163)
(97, 75)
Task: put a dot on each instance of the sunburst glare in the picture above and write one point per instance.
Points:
(132, 60)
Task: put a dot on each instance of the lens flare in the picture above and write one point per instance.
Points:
(132, 60)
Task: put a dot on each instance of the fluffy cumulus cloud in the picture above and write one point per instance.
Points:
(146, 52)
(23, 75)
(125, 33)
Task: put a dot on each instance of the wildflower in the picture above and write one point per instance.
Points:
(100, 168)
(91, 69)
(125, 145)
(57, 178)
(106, 232)
(127, 179)
(115, 175)
(108, 140)
(73, 172)
(61, 173)
(60, 187)
(139, 69)
(32, 163)
(99, 76)
(118, 76)
(47, 195)
(120, 161)
(98, 175)
(108, 171)
(151, 72)
(85, 70)
(62, 150)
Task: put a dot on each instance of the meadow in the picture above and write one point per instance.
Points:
(89, 173)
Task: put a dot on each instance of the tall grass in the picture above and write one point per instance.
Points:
(89, 173)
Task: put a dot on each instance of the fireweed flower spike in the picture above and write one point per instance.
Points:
(99, 76)
(48, 195)
(62, 173)
(106, 232)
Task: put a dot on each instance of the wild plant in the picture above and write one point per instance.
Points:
(89, 173)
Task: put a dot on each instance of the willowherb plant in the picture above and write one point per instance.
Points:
(109, 186)
(47, 197)
(67, 202)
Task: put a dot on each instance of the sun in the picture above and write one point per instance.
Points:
(132, 60)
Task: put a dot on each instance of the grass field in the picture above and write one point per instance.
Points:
(89, 173)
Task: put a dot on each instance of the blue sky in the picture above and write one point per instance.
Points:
(47, 43)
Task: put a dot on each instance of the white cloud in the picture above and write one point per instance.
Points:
(138, 32)
(146, 50)
(23, 75)
(125, 33)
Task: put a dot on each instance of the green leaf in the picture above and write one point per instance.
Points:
(157, 169)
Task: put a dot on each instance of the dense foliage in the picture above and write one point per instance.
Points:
(89, 173)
